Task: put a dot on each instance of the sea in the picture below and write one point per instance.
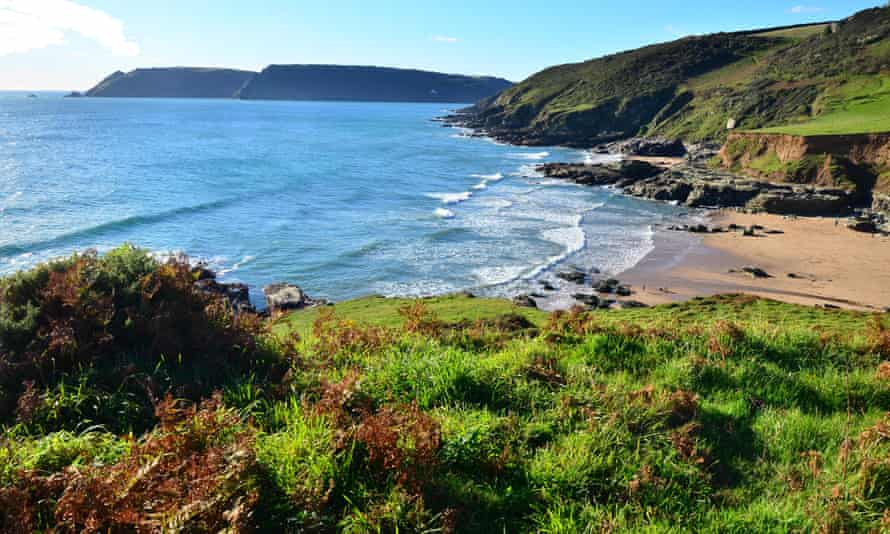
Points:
(343, 199)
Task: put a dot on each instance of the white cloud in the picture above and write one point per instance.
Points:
(445, 39)
(806, 9)
(31, 24)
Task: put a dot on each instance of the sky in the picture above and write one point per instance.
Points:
(72, 44)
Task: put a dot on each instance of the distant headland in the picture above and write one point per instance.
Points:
(299, 82)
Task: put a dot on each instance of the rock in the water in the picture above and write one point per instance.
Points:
(623, 291)
(283, 297)
(524, 301)
(575, 276)
(547, 286)
(622, 173)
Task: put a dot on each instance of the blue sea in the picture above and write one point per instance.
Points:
(343, 199)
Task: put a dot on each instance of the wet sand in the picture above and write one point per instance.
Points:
(814, 261)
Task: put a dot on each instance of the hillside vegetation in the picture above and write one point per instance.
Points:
(691, 88)
(132, 402)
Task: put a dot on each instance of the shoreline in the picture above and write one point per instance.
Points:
(813, 261)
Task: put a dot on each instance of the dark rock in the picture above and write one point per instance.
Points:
(717, 230)
(237, 295)
(831, 306)
(605, 304)
(574, 276)
(283, 297)
(546, 286)
(201, 272)
(524, 301)
(748, 232)
(623, 173)
(623, 291)
(631, 304)
(756, 272)
(588, 300)
(866, 227)
(698, 229)
(652, 147)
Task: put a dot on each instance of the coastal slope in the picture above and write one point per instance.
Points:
(175, 82)
(696, 88)
(338, 82)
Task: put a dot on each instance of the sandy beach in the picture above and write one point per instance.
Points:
(813, 261)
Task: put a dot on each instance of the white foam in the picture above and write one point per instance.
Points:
(451, 198)
(489, 177)
(572, 239)
(492, 276)
(237, 265)
(481, 185)
(529, 155)
(443, 213)
(592, 158)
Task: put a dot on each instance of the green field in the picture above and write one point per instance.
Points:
(132, 402)
(861, 105)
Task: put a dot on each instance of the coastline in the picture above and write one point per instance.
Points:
(814, 262)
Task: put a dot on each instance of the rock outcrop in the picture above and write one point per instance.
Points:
(851, 162)
(648, 146)
(701, 187)
(287, 297)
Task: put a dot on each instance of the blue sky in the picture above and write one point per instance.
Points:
(71, 44)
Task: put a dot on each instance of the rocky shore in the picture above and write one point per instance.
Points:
(279, 297)
(698, 186)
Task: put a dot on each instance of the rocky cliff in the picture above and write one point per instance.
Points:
(859, 163)
(337, 82)
(176, 82)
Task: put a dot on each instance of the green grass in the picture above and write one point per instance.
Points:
(859, 106)
(381, 311)
(800, 33)
(722, 414)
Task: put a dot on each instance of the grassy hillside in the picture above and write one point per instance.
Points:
(692, 87)
(858, 105)
(728, 414)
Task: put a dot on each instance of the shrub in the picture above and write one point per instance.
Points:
(129, 326)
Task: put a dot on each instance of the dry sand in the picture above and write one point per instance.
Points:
(828, 263)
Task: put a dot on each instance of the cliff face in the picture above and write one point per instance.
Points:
(856, 162)
(178, 82)
(333, 82)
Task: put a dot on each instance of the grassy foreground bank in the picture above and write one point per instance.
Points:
(131, 402)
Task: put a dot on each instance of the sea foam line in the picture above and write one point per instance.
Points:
(451, 198)
(529, 155)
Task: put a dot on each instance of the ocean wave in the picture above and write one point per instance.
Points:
(451, 198)
(481, 185)
(502, 274)
(237, 265)
(443, 213)
(529, 171)
(529, 155)
(111, 226)
(489, 177)
(571, 238)
(592, 158)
